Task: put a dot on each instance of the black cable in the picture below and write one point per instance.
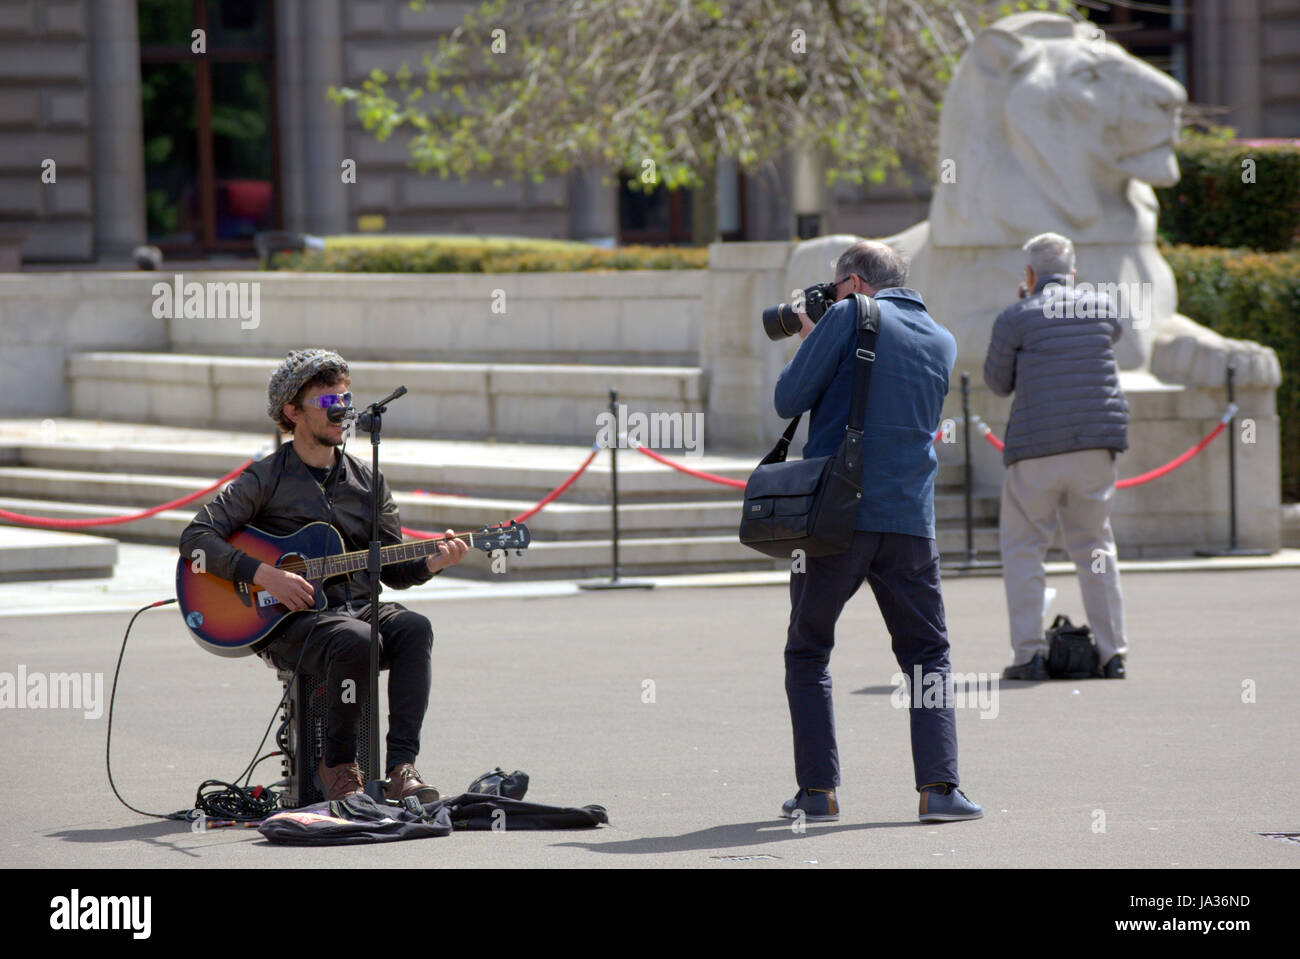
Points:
(108, 746)
(233, 802)
(242, 803)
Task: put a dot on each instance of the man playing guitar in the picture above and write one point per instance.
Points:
(310, 480)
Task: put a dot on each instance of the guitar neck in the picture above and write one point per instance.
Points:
(344, 563)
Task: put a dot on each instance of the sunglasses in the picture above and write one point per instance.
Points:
(326, 400)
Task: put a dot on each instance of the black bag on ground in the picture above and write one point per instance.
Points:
(477, 811)
(812, 504)
(1071, 651)
(498, 783)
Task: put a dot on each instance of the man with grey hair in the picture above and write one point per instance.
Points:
(893, 547)
(1068, 421)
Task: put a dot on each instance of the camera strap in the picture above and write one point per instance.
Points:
(868, 329)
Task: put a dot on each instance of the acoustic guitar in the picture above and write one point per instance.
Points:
(236, 619)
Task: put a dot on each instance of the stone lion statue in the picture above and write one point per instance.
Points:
(1049, 126)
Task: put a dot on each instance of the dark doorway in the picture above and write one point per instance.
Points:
(210, 150)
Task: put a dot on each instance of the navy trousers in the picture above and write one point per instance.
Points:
(339, 650)
(904, 575)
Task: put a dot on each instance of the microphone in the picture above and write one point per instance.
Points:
(338, 413)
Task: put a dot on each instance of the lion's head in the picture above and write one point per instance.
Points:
(1049, 125)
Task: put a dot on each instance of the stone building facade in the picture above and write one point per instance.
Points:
(79, 168)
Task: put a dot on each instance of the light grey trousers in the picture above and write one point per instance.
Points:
(1074, 490)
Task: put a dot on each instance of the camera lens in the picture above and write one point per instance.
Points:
(780, 321)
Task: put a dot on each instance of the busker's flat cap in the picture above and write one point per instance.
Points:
(298, 367)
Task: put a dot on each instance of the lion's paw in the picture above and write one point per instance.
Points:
(1187, 353)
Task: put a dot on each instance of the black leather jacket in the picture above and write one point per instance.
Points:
(279, 496)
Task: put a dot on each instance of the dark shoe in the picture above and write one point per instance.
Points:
(338, 782)
(404, 781)
(817, 805)
(1033, 671)
(947, 804)
(1114, 668)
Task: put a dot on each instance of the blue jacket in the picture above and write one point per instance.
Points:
(914, 360)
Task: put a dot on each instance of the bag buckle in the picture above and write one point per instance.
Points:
(867, 355)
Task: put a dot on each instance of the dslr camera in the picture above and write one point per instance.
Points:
(781, 320)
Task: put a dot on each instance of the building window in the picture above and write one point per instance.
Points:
(210, 151)
(1160, 34)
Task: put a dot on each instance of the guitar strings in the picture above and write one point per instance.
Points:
(312, 565)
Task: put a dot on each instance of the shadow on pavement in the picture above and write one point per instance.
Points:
(153, 833)
(737, 835)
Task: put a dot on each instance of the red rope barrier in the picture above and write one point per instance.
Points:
(1173, 464)
(40, 521)
(1150, 475)
(529, 513)
(711, 477)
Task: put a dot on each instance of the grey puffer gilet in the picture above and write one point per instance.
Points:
(1062, 371)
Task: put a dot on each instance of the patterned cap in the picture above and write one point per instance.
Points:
(298, 367)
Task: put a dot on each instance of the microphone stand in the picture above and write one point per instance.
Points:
(371, 421)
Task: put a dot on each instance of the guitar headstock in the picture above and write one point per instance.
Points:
(510, 535)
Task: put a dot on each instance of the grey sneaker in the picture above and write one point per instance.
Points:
(950, 806)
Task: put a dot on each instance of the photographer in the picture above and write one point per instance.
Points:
(893, 545)
(1068, 420)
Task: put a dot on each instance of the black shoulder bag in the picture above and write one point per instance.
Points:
(1071, 651)
(812, 504)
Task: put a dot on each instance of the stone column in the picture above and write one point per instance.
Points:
(1226, 57)
(593, 205)
(116, 128)
(309, 60)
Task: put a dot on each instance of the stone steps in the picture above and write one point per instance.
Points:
(538, 402)
(571, 557)
(669, 522)
(428, 511)
(37, 554)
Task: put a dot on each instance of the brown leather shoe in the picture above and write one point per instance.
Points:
(340, 781)
(404, 781)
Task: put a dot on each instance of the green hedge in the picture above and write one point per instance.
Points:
(440, 256)
(1251, 296)
(1212, 205)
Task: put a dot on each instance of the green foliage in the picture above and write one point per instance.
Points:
(537, 88)
(1251, 296)
(477, 256)
(1233, 195)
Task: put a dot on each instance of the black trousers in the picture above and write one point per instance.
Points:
(339, 650)
(903, 572)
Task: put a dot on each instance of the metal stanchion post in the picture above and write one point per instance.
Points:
(1233, 549)
(613, 490)
(972, 560)
(614, 582)
(966, 480)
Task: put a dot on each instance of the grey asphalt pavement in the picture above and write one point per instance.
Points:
(668, 708)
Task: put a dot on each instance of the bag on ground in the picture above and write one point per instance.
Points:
(1071, 651)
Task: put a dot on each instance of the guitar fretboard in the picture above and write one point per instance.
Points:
(326, 566)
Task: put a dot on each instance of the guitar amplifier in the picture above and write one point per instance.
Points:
(301, 737)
